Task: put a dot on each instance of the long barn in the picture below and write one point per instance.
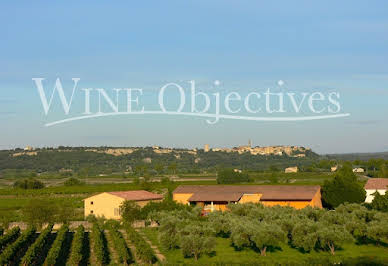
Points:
(217, 197)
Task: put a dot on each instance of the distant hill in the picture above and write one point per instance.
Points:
(358, 156)
(92, 161)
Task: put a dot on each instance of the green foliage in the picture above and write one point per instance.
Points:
(165, 205)
(333, 236)
(8, 254)
(29, 183)
(123, 252)
(100, 244)
(378, 231)
(221, 223)
(241, 233)
(143, 250)
(304, 235)
(343, 188)
(267, 235)
(196, 239)
(55, 251)
(72, 181)
(77, 246)
(229, 176)
(169, 232)
(9, 237)
(40, 211)
(380, 202)
(35, 250)
(130, 211)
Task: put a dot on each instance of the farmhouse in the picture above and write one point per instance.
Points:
(217, 197)
(375, 184)
(358, 170)
(291, 169)
(107, 204)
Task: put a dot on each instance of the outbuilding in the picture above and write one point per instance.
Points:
(217, 197)
(107, 204)
(374, 185)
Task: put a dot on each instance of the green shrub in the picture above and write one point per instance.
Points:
(34, 251)
(143, 250)
(11, 250)
(229, 176)
(9, 237)
(124, 254)
(100, 248)
(77, 246)
(72, 181)
(29, 183)
(55, 250)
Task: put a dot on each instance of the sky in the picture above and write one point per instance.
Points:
(241, 46)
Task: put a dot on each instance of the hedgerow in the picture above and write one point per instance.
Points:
(76, 255)
(9, 237)
(36, 248)
(58, 244)
(143, 250)
(124, 254)
(11, 250)
(99, 247)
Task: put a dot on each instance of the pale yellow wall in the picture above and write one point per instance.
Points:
(254, 198)
(182, 197)
(104, 205)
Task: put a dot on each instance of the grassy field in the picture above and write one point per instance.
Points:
(286, 255)
(11, 206)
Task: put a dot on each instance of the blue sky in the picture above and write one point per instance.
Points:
(311, 45)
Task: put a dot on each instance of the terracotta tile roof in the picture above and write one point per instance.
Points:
(377, 183)
(269, 193)
(137, 195)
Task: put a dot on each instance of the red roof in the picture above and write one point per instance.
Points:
(377, 183)
(136, 195)
(269, 193)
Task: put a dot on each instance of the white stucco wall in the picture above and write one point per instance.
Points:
(369, 192)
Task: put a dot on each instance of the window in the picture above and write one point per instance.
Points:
(117, 212)
(91, 203)
(91, 211)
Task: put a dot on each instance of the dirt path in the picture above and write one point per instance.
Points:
(158, 254)
(92, 257)
(131, 247)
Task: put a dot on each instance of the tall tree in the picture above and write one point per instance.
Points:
(344, 187)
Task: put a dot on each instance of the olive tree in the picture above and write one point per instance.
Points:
(130, 211)
(197, 239)
(220, 222)
(168, 229)
(241, 231)
(266, 235)
(333, 236)
(304, 235)
(378, 231)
